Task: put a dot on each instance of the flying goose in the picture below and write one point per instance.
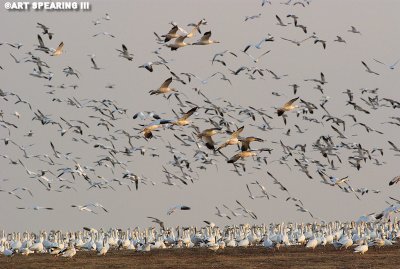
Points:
(104, 33)
(242, 155)
(147, 131)
(322, 81)
(178, 207)
(252, 17)
(280, 21)
(58, 51)
(323, 42)
(124, 53)
(233, 140)
(182, 121)
(95, 67)
(287, 107)
(247, 140)
(179, 43)
(390, 66)
(171, 34)
(394, 180)
(164, 88)
(205, 40)
(258, 45)
(354, 30)
(368, 69)
(339, 39)
(206, 136)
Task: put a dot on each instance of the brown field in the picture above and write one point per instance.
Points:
(252, 257)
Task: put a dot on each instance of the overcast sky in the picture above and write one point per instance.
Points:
(133, 23)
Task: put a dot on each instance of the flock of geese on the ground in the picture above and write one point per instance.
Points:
(360, 235)
(205, 133)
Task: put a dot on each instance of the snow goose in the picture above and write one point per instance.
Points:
(164, 88)
(205, 40)
(58, 51)
(233, 140)
(287, 107)
(179, 43)
(182, 121)
(392, 66)
(124, 53)
(312, 243)
(362, 248)
(242, 155)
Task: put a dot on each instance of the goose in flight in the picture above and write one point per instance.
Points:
(394, 180)
(179, 43)
(147, 131)
(14, 45)
(58, 51)
(368, 69)
(280, 21)
(242, 155)
(322, 81)
(252, 17)
(203, 81)
(182, 121)
(158, 221)
(149, 65)
(205, 40)
(394, 147)
(206, 136)
(287, 107)
(323, 42)
(124, 53)
(255, 60)
(45, 30)
(275, 76)
(233, 140)
(107, 17)
(390, 66)
(298, 43)
(354, 30)
(247, 140)
(11, 193)
(339, 39)
(84, 208)
(251, 213)
(104, 33)
(220, 214)
(164, 88)
(36, 208)
(144, 115)
(178, 207)
(222, 54)
(95, 67)
(250, 193)
(258, 45)
(42, 46)
(171, 34)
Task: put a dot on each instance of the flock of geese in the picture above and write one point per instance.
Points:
(359, 235)
(204, 133)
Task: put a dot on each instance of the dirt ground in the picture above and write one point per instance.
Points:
(252, 257)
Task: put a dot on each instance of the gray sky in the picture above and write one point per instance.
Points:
(133, 24)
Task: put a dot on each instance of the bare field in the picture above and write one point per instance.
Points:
(252, 257)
